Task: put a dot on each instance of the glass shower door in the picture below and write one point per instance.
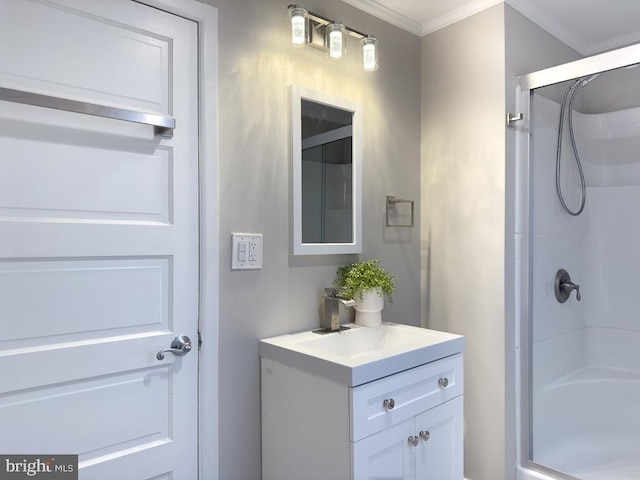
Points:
(584, 372)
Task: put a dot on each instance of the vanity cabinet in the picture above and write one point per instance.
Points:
(428, 446)
(407, 425)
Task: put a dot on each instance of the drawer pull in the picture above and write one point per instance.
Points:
(425, 435)
(388, 404)
(413, 441)
(443, 382)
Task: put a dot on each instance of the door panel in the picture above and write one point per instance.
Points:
(137, 402)
(83, 56)
(99, 239)
(386, 455)
(440, 457)
(143, 180)
(87, 297)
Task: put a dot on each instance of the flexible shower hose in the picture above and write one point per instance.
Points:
(573, 89)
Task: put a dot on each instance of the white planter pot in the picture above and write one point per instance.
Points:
(368, 308)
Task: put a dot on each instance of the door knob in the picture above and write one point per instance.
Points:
(180, 346)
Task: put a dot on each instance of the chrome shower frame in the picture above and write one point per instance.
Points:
(520, 266)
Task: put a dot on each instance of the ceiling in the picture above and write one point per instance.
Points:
(588, 26)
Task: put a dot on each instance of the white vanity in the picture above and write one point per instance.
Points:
(366, 403)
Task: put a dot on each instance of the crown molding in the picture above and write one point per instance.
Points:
(528, 8)
(385, 13)
(457, 15)
(391, 16)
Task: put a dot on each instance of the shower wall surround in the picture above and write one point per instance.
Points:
(613, 236)
(585, 371)
(558, 328)
(599, 248)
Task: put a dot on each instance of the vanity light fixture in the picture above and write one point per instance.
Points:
(308, 28)
(369, 49)
(336, 39)
(299, 25)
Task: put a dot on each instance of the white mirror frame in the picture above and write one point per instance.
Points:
(297, 95)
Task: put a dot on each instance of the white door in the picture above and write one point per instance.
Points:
(440, 457)
(99, 239)
(386, 455)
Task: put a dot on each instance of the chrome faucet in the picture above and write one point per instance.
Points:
(332, 302)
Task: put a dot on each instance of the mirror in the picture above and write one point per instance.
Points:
(326, 173)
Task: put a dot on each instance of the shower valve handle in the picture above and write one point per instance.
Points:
(563, 286)
(569, 286)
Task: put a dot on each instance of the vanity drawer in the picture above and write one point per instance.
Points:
(407, 393)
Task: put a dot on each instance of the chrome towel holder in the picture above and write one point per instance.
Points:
(391, 203)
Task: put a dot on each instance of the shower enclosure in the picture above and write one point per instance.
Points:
(580, 336)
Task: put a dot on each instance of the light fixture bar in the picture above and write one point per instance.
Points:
(326, 21)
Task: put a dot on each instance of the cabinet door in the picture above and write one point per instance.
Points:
(440, 453)
(386, 455)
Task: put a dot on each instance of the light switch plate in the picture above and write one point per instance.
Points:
(246, 253)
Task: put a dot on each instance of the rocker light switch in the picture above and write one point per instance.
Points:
(247, 251)
(242, 252)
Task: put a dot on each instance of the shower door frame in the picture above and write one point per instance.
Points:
(522, 226)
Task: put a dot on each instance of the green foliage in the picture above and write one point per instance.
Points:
(356, 278)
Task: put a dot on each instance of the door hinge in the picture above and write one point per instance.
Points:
(199, 340)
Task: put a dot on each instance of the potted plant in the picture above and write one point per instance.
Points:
(367, 283)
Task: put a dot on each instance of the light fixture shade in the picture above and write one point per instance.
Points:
(336, 40)
(369, 53)
(299, 25)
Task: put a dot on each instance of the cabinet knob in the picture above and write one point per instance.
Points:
(389, 403)
(443, 382)
(425, 435)
(413, 441)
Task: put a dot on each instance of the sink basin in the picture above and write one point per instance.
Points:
(365, 341)
(361, 354)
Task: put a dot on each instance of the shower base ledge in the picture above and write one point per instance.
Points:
(589, 458)
(595, 373)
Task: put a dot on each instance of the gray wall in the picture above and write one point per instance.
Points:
(463, 221)
(256, 66)
(469, 72)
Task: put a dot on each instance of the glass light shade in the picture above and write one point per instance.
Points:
(299, 25)
(369, 53)
(336, 40)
